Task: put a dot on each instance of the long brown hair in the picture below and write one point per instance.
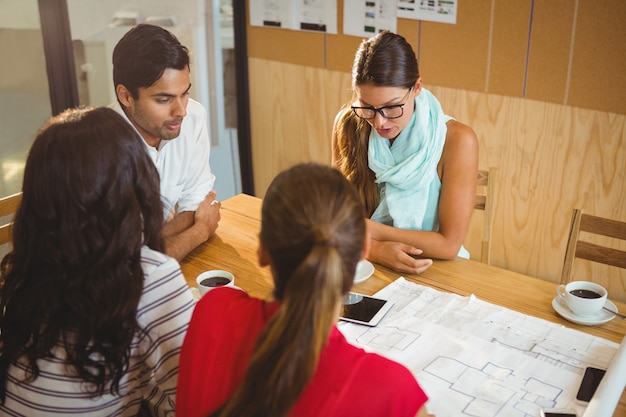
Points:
(74, 278)
(385, 60)
(314, 230)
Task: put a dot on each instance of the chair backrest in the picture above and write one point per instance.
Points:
(485, 197)
(577, 248)
(8, 207)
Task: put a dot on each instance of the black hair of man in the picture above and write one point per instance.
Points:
(143, 54)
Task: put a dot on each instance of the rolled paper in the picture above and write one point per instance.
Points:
(610, 390)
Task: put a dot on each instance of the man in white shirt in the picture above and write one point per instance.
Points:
(151, 75)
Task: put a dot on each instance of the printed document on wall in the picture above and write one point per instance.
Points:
(365, 18)
(316, 15)
(308, 15)
(442, 11)
(271, 13)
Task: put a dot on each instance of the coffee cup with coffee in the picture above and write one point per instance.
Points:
(584, 298)
(209, 280)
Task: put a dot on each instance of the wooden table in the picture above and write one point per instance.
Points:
(234, 248)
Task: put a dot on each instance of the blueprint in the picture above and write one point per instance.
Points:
(473, 358)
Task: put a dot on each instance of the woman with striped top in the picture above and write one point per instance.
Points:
(93, 314)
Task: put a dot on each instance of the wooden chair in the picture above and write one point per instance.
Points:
(485, 197)
(8, 206)
(577, 248)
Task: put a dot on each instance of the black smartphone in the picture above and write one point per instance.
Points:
(557, 412)
(362, 309)
(589, 384)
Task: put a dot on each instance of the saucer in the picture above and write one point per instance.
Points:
(603, 316)
(364, 270)
(196, 292)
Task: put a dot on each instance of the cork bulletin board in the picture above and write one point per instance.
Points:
(570, 52)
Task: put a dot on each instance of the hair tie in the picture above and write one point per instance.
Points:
(323, 237)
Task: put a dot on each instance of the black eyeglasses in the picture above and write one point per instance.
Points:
(388, 112)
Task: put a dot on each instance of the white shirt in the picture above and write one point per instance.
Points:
(183, 162)
(164, 312)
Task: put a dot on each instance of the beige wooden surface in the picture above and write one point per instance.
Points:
(234, 249)
(550, 159)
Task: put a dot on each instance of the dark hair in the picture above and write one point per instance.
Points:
(313, 228)
(384, 60)
(143, 54)
(74, 278)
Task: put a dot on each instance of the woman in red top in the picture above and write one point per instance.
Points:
(243, 356)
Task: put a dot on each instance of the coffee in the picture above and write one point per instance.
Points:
(214, 278)
(215, 282)
(585, 294)
(583, 298)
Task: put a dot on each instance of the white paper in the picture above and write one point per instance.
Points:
(271, 13)
(308, 15)
(442, 11)
(316, 15)
(479, 359)
(365, 18)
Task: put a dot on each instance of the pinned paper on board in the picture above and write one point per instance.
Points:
(442, 11)
(306, 15)
(366, 18)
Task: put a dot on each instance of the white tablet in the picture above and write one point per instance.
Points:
(362, 309)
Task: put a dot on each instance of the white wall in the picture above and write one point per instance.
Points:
(24, 97)
(19, 14)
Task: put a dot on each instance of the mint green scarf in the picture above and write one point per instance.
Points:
(406, 170)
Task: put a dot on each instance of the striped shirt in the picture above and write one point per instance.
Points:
(164, 312)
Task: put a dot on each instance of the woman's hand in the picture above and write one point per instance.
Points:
(399, 257)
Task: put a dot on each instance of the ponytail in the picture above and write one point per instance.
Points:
(313, 229)
(352, 134)
(287, 352)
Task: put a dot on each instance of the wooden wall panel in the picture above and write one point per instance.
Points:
(509, 45)
(549, 51)
(292, 124)
(292, 46)
(514, 48)
(551, 158)
(456, 55)
(410, 29)
(598, 78)
(341, 50)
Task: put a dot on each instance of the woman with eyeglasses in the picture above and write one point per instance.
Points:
(413, 166)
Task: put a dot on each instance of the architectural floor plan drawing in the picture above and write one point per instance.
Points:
(492, 390)
(478, 359)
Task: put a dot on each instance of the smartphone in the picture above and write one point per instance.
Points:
(589, 384)
(557, 412)
(362, 309)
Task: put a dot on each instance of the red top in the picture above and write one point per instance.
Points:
(348, 381)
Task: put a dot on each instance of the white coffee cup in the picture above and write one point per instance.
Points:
(215, 278)
(584, 298)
